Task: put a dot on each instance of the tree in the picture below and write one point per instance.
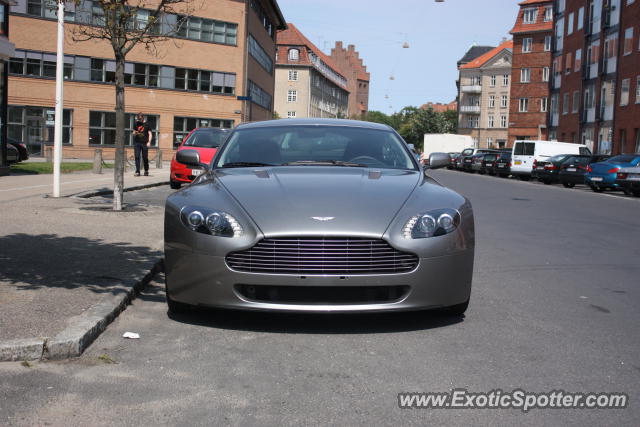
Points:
(126, 24)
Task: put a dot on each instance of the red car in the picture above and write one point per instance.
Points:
(206, 142)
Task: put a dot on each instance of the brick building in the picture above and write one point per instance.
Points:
(225, 49)
(7, 50)
(532, 42)
(352, 67)
(594, 98)
(484, 88)
(439, 107)
(308, 82)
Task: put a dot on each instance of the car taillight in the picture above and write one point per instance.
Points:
(550, 167)
(589, 169)
(509, 164)
(621, 175)
(613, 170)
(583, 167)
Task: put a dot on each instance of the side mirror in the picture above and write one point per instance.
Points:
(438, 160)
(190, 158)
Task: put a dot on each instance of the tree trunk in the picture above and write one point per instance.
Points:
(118, 170)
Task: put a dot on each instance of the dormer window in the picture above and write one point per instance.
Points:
(530, 15)
(294, 54)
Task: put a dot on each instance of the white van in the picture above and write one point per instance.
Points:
(526, 153)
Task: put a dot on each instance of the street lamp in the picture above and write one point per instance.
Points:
(57, 132)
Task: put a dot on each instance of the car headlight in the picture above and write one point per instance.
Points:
(433, 223)
(208, 221)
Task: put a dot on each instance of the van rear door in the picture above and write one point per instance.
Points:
(523, 155)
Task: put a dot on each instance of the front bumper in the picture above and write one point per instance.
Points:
(205, 280)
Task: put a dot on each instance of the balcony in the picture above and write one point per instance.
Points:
(470, 109)
(471, 88)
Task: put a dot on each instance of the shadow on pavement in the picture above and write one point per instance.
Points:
(305, 323)
(50, 261)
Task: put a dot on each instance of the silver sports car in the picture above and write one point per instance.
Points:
(317, 215)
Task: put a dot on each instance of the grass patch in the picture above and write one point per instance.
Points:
(47, 167)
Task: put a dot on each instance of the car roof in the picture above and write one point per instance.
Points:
(208, 129)
(314, 122)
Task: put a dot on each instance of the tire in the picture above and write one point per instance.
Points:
(597, 189)
(456, 310)
(175, 185)
(546, 181)
(175, 307)
(568, 184)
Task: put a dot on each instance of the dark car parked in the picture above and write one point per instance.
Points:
(488, 163)
(465, 161)
(453, 157)
(502, 165)
(23, 153)
(547, 171)
(573, 169)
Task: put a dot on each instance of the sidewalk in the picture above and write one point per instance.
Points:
(63, 260)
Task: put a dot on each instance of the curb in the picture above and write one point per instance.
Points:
(81, 332)
(88, 194)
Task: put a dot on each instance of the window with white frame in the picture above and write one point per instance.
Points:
(570, 24)
(292, 95)
(624, 92)
(504, 101)
(291, 114)
(548, 14)
(576, 101)
(505, 80)
(628, 41)
(545, 74)
(580, 19)
(294, 54)
(293, 75)
(472, 121)
(527, 44)
(544, 103)
(491, 122)
(547, 43)
(492, 101)
(578, 62)
(493, 80)
(568, 62)
(565, 103)
(503, 121)
(523, 105)
(489, 142)
(530, 15)
(525, 75)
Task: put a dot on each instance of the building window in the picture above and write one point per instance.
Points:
(588, 98)
(523, 105)
(565, 103)
(628, 41)
(294, 55)
(544, 103)
(492, 101)
(525, 75)
(547, 43)
(259, 96)
(545, 74)
(293, 75)
(489, 142)
(472, 122)
(570, 24)
(578, 61)
(493, 81)
(576, 101)
(580, 18)
(638, 90)
(504, 101)
(34, 126)
(292, 96)
(503, 121)
(259, 54)
(505, 80)
(38, 64)
(205, 81)
(527, 44)
(291, 114)
(264, 19)
(624, 92)
(476, 81)
(47, 9)
(183, 125)
(207, 30)
(554, 103)
(102, 128)
(491, 122)
(530, 15)
(568, 63)
(548, 14)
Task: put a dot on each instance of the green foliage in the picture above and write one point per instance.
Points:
(413, 122)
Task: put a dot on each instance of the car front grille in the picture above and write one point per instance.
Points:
(322, 255)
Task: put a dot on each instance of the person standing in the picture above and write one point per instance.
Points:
(142, 137)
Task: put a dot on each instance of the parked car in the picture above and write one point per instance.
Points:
(206, 142)
(629, 180)
(21, 147)
(289, 209)
(573, 169)
(602, 175)
(465, 161)
(476, 163)
(452, 162)
(488, 162)
(502, 165)
(546, 171)
(525, 153)
(13, 155)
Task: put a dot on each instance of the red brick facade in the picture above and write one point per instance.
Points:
(351, 66)
(530, 73)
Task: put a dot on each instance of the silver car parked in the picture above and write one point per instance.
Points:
(317, 215)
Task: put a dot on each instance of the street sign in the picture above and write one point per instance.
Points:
(244, 98)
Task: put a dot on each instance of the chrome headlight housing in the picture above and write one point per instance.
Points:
(437, 222)
(210, 221)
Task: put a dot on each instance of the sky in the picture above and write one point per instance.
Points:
(438, 35)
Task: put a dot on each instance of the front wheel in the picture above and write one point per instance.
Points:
(175, 185)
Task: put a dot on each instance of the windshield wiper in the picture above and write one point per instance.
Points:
(326, 163)
(245, 164)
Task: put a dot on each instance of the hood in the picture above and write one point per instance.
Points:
(206, 154)
(345, 201)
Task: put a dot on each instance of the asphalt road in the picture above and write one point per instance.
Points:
(554, 306)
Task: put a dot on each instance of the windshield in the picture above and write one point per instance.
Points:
(557, 158)
(315, 146)
(206, 138)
